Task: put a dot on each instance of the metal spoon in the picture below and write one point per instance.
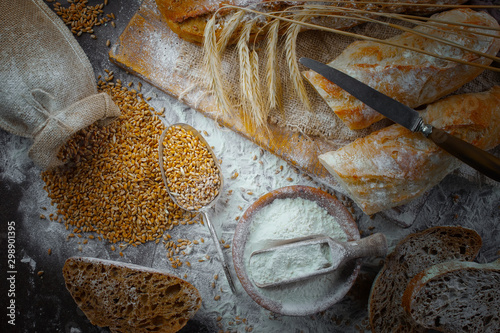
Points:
(202, 209)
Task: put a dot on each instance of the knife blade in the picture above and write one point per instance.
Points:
(479, 159)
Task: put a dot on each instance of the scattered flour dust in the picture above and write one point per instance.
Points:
(285, 219)
(28, 260)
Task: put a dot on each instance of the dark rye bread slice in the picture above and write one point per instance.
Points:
(455, 297)
(130, 298)
(412, 255)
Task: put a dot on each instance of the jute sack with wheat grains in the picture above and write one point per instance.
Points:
(48, 89)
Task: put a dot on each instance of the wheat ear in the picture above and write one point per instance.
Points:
(251, 98)
(259, 109)
(382, 41)
(212, 65)
(229, 29)
(272, 68)
(291, 59)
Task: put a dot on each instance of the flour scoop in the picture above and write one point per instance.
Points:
(299, 259)
(192, 176)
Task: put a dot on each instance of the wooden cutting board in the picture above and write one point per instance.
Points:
(149, 49)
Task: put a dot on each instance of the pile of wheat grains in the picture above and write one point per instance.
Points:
(111, 183)
(191, 171)
(81, 17)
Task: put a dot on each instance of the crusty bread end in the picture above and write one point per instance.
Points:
(130, 298)
(456, 297)
(412, 255)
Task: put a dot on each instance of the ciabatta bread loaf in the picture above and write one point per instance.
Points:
(411, 256)
(188, 18)
(410, 77)
(456, 297)
(130, 298)
(392, 166)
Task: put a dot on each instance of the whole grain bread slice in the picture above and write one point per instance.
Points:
(456, 297)
(130, 298)
(412, 255)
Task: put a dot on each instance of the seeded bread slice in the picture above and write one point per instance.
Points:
(456, 297)
(130, 298)
(412, 255)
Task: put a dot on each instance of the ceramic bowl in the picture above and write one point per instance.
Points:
(282, 300)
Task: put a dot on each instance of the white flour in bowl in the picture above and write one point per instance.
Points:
(286, 263)
(291, 218)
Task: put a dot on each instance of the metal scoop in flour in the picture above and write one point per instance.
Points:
(302, 258)
(193, 178)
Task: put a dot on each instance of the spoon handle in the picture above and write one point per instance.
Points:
(372, 246)
(218, 247)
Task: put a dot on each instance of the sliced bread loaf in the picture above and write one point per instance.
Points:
(412, 255)
(456, 297)
(130, 298)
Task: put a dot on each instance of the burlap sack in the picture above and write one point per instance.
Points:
(48, 90)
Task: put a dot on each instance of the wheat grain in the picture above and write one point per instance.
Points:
(111, 184)
(190, 170)
(80, 17)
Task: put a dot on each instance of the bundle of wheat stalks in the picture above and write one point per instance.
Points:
(277, 27)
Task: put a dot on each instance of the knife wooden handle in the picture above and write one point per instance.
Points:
(479, 159)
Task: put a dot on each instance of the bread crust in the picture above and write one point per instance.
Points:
(180, 11)
(188, 18)
(130, 298)
(411, 255)
(393, 166)
(412, 78)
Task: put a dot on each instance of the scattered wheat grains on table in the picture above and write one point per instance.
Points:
(111, 183)
(81, 17)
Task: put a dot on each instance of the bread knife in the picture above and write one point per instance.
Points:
(479, 159)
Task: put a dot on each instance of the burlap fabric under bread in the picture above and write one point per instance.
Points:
(48, 90)
(320, 121)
